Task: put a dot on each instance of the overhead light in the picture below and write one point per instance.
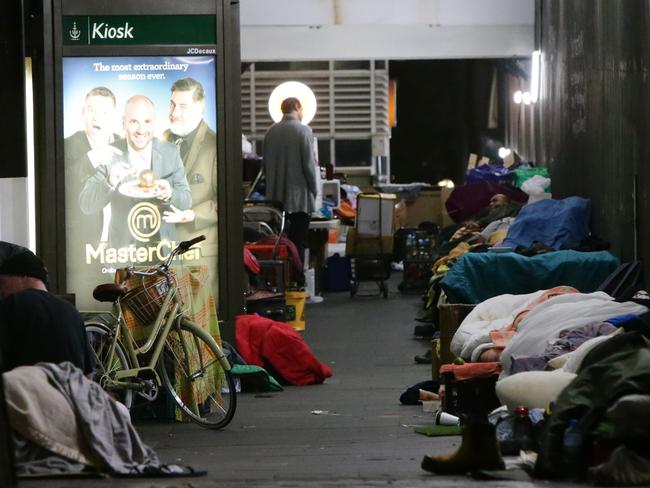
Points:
(293, 89)
(518, 97)
(504, 152)
(526, 98)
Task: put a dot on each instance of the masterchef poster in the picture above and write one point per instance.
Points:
(140, 164)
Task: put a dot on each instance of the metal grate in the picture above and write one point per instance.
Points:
(352, 103)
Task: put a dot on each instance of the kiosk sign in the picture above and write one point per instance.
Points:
(138, 29)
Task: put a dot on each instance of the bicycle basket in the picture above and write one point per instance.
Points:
(145, 296)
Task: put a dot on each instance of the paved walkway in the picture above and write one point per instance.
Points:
(349, 432)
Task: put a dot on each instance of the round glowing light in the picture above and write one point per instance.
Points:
(293, 89)
(526, 98)
(503, 152)
(518, 97)
(446, 183)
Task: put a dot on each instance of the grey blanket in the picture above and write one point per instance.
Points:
(103, 427)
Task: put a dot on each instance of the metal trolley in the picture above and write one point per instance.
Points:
(371, 255)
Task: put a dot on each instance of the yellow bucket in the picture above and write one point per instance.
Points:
(296, 309)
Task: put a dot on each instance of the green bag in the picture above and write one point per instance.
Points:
(255, 378)
(523, 174)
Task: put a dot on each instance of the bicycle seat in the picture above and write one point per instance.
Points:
(108, 292)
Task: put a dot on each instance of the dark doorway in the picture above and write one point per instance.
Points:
(443, 112)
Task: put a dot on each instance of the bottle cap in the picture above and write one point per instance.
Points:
(521, 411)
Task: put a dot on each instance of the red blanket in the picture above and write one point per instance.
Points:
(264, 342)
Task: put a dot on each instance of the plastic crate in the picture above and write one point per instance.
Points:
(273, 274)
(265, 253)
(416, 275)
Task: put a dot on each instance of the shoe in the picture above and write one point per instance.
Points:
(425, 358)
(479, 450)
(425, 331)
(427, 319)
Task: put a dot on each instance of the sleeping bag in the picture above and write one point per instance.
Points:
(277, 347)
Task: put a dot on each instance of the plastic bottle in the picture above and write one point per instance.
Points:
(572, 449)
(523, 429)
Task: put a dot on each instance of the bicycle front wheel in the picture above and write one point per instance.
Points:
(190, 370)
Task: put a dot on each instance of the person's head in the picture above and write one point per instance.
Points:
(499, 200)
(22, 271)
(97, 111)
(291, 105)
(186, 106)
(138, 122)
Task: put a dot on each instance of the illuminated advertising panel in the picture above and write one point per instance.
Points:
(139, 153)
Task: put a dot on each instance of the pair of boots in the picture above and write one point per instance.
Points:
(479, 450)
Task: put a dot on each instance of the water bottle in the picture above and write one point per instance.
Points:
(523, 429)
(572, 449)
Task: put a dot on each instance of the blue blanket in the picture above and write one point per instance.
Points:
(475, 277)
(560, 224)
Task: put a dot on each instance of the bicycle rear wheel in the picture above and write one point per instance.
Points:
(100, 339)
(190, 370)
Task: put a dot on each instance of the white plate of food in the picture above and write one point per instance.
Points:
(135, 189)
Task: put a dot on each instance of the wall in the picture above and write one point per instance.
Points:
(592, 114)
(276, 30)
(14, 216)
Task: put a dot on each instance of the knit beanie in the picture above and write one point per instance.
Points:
(25, 264)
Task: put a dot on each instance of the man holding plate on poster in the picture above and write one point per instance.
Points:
(198, 148)
(146, 173)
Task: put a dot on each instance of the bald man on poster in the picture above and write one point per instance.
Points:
(139, 151)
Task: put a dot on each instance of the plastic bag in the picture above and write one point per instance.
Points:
(523, 174)
(536, 185)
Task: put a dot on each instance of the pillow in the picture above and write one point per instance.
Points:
(576, 357)
(532, 389)
(559, 361)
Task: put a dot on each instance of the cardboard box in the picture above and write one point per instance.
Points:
(356, 245)
(444, 195)
(375, 215)
(425, 208)
(451, 316)
(400, 214)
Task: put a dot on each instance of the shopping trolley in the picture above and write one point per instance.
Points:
(371, 249)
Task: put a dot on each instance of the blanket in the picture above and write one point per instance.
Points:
(475, 277)
(534, 326)
(91, 428)
(560, 224)
(279, 348)
(566, 312)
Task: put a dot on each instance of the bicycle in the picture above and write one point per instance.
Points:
(176, 354)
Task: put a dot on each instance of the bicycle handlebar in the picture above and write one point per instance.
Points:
(185, 246)
(182, 248)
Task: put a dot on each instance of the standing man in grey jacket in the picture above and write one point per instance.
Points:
(290, 170)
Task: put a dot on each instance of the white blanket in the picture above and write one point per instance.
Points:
(565, 312)
(494, 313)
(541, 325)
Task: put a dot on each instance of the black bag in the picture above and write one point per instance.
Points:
(624, 282)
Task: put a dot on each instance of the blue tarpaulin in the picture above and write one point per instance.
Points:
(560, 224)
(475, 277)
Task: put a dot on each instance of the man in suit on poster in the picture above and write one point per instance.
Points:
(83, 152)
(198, 148)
